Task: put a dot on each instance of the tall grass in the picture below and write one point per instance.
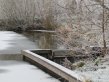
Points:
(17, 13)
(23, 13)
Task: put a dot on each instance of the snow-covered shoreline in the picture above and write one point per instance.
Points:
(95, 73)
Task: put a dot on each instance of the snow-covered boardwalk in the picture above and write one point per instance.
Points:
(11, 45)
(19, 71)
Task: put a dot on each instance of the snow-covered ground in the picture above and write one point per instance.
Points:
(13, 43)
(19, 71)
(96, 73)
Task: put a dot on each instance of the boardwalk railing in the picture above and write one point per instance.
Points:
(55, 68)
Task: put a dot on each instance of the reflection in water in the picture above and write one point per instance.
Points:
(44, 40)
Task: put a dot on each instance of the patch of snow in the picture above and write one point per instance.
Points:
(98, 75)
(11, 42)
(4, 36)
(19, 71)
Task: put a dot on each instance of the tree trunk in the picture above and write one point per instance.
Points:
(103, 31)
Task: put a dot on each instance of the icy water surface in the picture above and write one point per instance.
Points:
(13, 43)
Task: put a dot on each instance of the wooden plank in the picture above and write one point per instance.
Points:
(56, 68)
(42, 31)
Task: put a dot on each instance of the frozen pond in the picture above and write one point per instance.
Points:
(19, 71)
(13, 43)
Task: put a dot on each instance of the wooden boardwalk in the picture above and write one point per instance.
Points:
(12, 70)
(20, 71)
